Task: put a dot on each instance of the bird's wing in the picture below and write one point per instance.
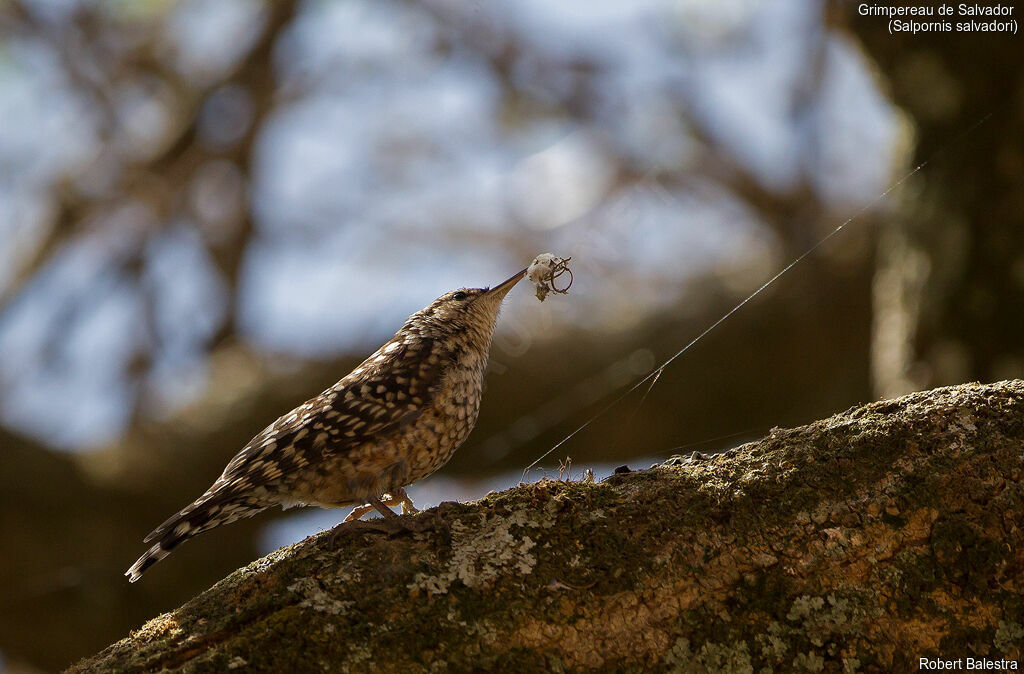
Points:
(388, 390)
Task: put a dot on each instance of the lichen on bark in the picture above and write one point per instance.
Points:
(862, 542)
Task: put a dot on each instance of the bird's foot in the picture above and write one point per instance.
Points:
(397, 497)
(358, 512)
(389, 523)
(387, 526)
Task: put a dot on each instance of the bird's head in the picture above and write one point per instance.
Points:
(467, 309)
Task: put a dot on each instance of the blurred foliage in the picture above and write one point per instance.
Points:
(211, 211)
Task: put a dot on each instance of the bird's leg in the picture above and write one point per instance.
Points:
(399, 497)
(359, 511)
(396, 497)
(389, 523)
(385, 511)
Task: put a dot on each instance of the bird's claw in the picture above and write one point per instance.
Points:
(396, 497)
(359, 511)
(389, 523)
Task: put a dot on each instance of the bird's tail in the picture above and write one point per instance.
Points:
(211, 510)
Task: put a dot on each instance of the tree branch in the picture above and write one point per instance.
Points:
(864, 541)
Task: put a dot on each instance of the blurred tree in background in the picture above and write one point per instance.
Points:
(209, 211)
(950, 282)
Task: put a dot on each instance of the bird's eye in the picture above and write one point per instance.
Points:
(459, 296)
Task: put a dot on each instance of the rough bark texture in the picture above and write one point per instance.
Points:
(861, 542)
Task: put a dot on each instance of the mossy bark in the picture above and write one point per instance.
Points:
(861, 542)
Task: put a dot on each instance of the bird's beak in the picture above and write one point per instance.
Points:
(502, 288)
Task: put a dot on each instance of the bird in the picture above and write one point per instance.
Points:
(396, 418)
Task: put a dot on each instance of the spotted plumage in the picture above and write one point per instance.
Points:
(396, 418)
